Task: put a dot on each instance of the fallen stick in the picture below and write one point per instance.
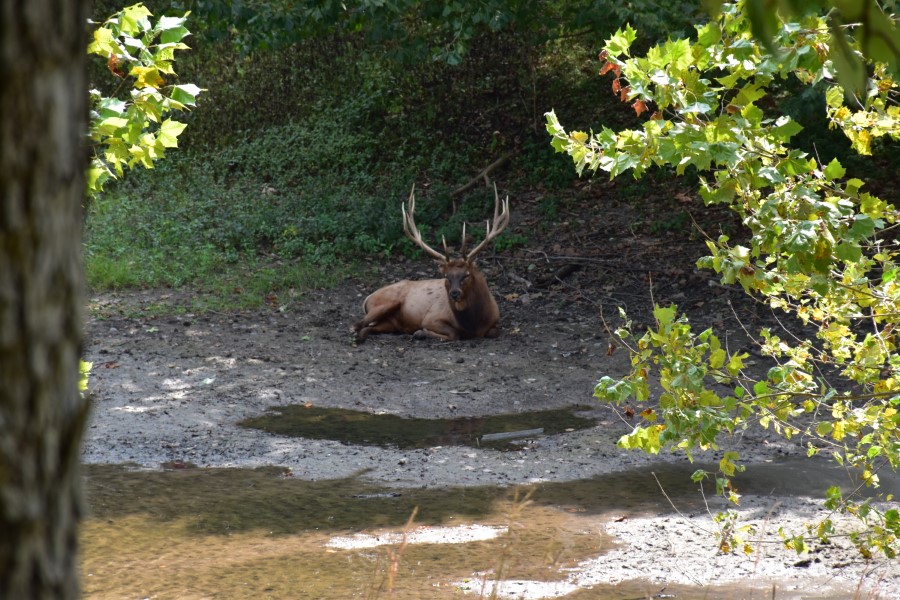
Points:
(483, 174)
(509, 435)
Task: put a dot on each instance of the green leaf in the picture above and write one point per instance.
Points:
(678, 54)
(621, 41)
(785, 128)
(110, 107)
(749, 94)
(700, 108)
(863, 227)
(763, 22)
(169, 131)
(753, 114)
(834, 96)
(824, 428)
(104, 43)
(803, 238)
(664, 315)
(110, 125)
(709, 34)
(834, 170)
(559, 140)
(173, 36)
(848, 252)
(717, 358)
(796, 163)
(186, 93)
(134, 19)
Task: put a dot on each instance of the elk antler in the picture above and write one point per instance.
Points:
(409, 226)
(495, 228)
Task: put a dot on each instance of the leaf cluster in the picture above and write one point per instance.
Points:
(858, 29)
(133, 127)
(821, 248)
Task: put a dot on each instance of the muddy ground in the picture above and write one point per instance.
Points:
(171, 390)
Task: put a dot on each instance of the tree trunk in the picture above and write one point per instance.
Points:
(43, 120)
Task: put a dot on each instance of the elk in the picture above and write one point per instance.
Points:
(459, 306)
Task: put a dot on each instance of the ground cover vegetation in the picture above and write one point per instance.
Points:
(309, 134)
(317, 116)
(821, 248)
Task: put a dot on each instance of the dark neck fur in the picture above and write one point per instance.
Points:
(472, 317)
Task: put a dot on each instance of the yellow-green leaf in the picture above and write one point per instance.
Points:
(147, 77)
(169, 132)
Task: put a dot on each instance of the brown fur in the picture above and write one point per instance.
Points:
(459, 306)
(426, 309)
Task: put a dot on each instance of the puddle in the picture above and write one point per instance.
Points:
(234, 533)
(240, 533)
(358, 427)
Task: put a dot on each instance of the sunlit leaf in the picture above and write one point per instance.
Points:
(169, 132)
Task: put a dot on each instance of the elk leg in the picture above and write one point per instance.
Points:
(374, 321)
(383, 327)
(440, 332)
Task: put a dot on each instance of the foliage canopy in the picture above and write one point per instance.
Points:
(820, 248)
(425, 29)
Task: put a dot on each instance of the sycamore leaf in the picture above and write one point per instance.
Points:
(134, 19)
(110, 125)
(104, 43)
(678, 54)
(169, 131)
(785, 128)
(174, 35)
(709, 34)
(147, 77)
(749, 94)
(834, 170)
(186, 93)
(717, 358)
(848, 252)
(112, 106)
(621, 41)
(640, 107)
(863, 227)
(664, 315)
(96, 177)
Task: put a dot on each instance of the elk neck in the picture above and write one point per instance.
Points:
(472, 310)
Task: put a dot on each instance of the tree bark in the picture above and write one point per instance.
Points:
(43, 125)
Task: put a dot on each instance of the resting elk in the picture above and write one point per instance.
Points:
(459, 306)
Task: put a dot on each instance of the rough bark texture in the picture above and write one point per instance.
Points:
(43, 119)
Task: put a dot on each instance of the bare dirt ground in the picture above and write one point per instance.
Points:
(172, 389)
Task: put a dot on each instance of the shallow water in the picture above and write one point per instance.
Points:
(361, 427)
(236, 533)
